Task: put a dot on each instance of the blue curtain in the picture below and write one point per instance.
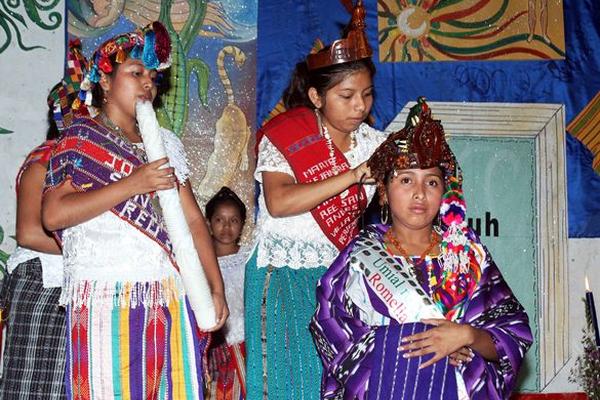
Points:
(287, 31)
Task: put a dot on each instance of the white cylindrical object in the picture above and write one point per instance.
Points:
(192, 273)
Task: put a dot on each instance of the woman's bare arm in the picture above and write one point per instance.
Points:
(64, 206)
(285, 197)
(30, 231)
(206, 252)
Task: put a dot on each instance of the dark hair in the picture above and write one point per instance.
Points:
(162, 84)
(322, 79)
(52, 132)
(225, 196)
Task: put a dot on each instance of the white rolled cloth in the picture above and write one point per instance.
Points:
(190, 268)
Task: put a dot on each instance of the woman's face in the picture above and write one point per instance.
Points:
(226, 224)
(414, 197)
(346, 105)
(130, 82)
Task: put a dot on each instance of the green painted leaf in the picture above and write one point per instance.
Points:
(202, 72)
(4, 131)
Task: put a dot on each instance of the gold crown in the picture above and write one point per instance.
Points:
(353, 47)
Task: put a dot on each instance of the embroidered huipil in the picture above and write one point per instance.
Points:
(298, 241)
(131, 332)
(232, 269)
(358, 339)
(108, 256)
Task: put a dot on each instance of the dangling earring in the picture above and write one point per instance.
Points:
(384, 214)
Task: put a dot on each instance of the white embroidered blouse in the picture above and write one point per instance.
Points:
(105, 250)
(298, 241)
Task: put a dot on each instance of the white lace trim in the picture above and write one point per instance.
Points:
(177, 155)
(232, 269)
(52, 265)
(298, 241)
(106, 248)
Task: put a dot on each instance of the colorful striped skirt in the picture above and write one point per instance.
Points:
(116, 351)
(34, 358)
(227, 370)
(282, 361)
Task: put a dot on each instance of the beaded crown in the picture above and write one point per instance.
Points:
(353, 47)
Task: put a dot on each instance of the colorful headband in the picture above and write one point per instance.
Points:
(151, 45)
(353, 47)
(422, 144)
(60, 97)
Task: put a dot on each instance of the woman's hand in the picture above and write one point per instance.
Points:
(151, 177)
(221, 311)
(443, 340)
(463, 355)
(363, 172)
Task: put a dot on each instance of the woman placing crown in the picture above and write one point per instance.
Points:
(418, 309)
(310, 161)
(131, 324)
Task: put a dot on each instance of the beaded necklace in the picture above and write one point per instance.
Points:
(323, 131)
(138, 149)
(434, 240)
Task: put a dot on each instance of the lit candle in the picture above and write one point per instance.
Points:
(589, 298)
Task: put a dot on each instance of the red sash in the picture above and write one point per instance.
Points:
(296, 135)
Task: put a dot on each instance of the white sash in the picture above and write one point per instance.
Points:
(393, 282)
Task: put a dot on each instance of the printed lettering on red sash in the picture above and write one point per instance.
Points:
(296, 135)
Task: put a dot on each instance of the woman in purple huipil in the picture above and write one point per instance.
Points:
(418, 309)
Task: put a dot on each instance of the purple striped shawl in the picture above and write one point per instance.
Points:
(93, 157)
(353, 352)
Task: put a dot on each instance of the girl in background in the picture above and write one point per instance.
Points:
(226, 214)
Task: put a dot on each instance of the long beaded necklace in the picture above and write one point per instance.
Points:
(433, 241)
(323, 131)
(138, 149)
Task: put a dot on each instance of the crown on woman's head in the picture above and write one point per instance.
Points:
(420, 144)
(353, 47)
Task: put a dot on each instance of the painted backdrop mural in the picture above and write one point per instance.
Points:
(31, 34)
(437, 30)
(210, 104)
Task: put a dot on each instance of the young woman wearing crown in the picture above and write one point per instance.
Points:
(418, 309)
(131, 326)
(310, 162)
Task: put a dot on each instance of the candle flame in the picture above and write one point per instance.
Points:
(587, 284)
